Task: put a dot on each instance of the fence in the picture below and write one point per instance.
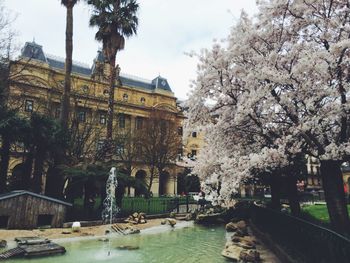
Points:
(150, 206)
(302, 240)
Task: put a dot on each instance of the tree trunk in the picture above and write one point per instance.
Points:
(28, 169)
(160, 182)
(151, 179)
(4, 164)
(292, 193)
(54, 182)
(38, 170)
(64, 117)
(275, 192)
(110, 111)
(332, 179)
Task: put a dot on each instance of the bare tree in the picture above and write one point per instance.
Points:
(160, 143)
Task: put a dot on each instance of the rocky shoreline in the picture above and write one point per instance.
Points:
(243, 246)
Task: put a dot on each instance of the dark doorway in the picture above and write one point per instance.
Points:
(141, 175)
(181, 184)
(3, 222)
(163, 182)
(44, 220)
(17, 180)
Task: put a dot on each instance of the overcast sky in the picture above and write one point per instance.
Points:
(167, 29)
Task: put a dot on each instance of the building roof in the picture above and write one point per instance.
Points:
(34, 51)
(24, 192)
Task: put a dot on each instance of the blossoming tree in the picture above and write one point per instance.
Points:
(279, 89)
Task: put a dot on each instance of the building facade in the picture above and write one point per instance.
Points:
(37, 81)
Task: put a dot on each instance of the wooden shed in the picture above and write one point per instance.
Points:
(27, 210)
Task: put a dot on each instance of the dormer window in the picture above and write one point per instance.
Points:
(143, 100)
(28, 105)
(125, 97)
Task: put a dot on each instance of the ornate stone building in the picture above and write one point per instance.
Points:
(36, 85)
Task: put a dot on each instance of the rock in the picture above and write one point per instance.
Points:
(188, 217)
(128, 247)
(232, 252)
(248, 241)
(245, 245)
(172, 221)
(241, 225)
(242, 229)
(76, 226)
(163, 222)
(142, 221)
(241, 233)
(107, 232)
(142, 215)
(3, 243)
(135, 215)
(134, 231)
(66, 232)
(103, 239)
(231, 227)
(249, 256)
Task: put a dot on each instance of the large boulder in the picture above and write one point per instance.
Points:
(248, 240)
(242, 229)
(232, 252)
(172, 221)
(231, 227)
(249, 256)
(241, 225)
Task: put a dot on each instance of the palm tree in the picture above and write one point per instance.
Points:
(64, 116)
(115, 19)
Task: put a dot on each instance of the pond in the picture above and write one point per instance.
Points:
(185, 243)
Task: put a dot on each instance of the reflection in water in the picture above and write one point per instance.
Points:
(190, 245)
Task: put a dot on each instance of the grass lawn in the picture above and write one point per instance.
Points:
(318, 212)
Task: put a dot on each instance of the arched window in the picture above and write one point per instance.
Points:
(125, 97)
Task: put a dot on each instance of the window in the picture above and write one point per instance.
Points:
(143, 100)
(100, 144)
(138, 149)
(57, 113)
(194, 134)
(125, 97)
(81, 116)
(4, 221)
(105, 92)
(139, 123)
(85, 88)
(103, 118)
(121, 121)
(120, 149)
(29, 105)
(44, 220)
(179, 131)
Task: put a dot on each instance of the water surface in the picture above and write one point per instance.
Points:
(159, 245)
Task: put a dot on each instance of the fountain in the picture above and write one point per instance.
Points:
(110, 208)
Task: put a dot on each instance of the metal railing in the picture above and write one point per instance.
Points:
(302, 240)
